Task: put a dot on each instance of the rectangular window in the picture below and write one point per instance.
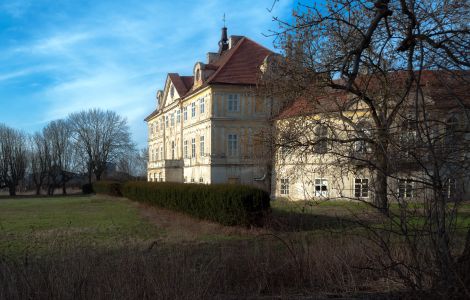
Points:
(193, 109)
(193, 147)
(161, 153)
(173, 150)
(405, 188)
(361, 187)
(201, 145)
(321, 145)
(192, 179)
(450, 187)
(284, 186)
(166, 121)
(172, 120)
(178, 116)
(201, 180)
(321, 187)
(233, 103)
(186, 149)
(185, 113)
(232, 145)
(201, 105)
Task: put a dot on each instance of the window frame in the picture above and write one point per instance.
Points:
(321, 182)
(284, 186)
(361, 187)
(233, 102)
(202, 105)
(193, 109)
(406, 187)
(193, 147)
(232, 144)
(201, 146)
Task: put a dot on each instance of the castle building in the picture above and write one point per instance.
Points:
(205, 126)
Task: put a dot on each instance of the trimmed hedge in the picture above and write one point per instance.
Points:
(224, 203)
(87, 188)
(112, 188)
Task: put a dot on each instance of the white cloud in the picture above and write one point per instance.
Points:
(117, 58)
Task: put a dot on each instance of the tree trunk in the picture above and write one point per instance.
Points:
(64, 189)
(381, 175)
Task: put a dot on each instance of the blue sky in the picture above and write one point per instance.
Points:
(62, 56)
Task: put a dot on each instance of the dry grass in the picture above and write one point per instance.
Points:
(260, 267)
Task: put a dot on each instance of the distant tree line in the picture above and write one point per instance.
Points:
(83, 145)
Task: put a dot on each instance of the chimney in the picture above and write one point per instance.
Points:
(223, 44)
(234, 39)
(212, 57)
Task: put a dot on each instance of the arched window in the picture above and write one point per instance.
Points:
(198, 74)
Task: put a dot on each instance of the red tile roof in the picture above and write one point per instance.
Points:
(238, 65)
(446, 90)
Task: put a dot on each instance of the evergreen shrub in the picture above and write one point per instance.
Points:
(227, 204)
(111, 188)
(87, 189)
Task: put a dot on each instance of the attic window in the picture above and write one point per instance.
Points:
(172, 91)
(198, 74)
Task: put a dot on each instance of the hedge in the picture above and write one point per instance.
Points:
(227, 204)
(112, 188)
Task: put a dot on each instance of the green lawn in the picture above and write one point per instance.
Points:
(32, 224)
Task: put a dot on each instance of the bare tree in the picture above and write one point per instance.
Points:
(13, 158)
(39, 160)
(60, 154)
(134, 163)
(101, 137)
(388, 83)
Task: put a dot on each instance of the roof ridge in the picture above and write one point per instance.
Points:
(230, 55)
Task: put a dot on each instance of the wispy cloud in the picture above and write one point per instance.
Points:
(115, 55)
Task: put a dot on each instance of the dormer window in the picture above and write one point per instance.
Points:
(198, 75)
(172, 91)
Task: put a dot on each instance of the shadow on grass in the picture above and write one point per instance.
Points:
(291, 221)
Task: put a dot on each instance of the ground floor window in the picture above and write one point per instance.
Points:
(405, 188)
(321, 187)
(284, 186)
(361, 187)
(201, 180)
(449, 188)
(192, 180)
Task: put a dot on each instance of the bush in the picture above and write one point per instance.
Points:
(87, 188)
(112, 188)
(223, 203)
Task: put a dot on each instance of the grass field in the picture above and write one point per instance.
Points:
(36, 224)
(99, 247)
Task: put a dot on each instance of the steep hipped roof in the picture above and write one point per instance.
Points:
(240, 65)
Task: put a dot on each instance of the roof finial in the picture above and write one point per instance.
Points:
(223, 43)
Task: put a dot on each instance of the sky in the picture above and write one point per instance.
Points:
(63, 56)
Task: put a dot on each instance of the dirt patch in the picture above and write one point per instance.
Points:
(179, 227)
